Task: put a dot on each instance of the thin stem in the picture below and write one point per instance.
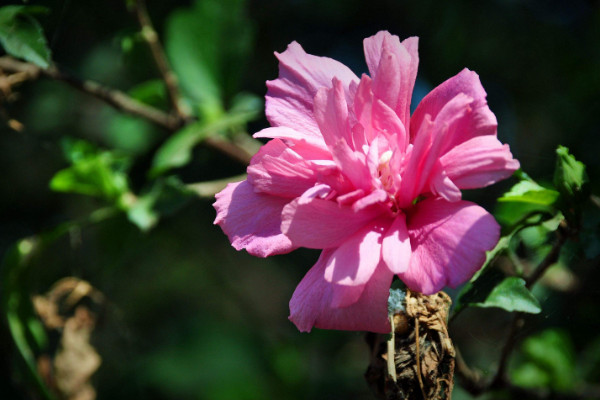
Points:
(122, 102)
(548, 261)
(151, 37)
(112, 97)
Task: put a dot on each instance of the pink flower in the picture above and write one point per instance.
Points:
(349, 171)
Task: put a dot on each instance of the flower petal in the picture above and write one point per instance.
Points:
(479, 119)
(289, 134)
(353, 263)
(289, 99)
(448, 241)
(320, 224)
(396, 250)
(278, 170)
(252, 220)
(311, 303)
(406, 63)
(479, 162)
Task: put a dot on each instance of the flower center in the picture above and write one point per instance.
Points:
(385, 174)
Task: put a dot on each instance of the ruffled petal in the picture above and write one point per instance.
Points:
(252, 220)
(354, 262)
(396, 248)
(320, 224)
(311, 303)
(402, 66)
(479, 162)
(478, 121)
(289, 134)
(448, 241)
(331, 113)
(278, 170)
(289, 99)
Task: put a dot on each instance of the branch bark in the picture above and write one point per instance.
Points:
(162, 62)
(122, 102)
(112, 97)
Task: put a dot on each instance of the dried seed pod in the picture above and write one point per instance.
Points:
(423, 353)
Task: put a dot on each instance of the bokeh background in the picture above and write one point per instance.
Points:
(188, 317)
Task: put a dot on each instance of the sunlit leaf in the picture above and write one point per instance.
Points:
(166, 196)
(22, 36)
(511, 295)
(152, 92)
(570, 179)
(23, 325)
(548, 362)
(530, 192)
(177, 150)
(207, 45)
(92, 173)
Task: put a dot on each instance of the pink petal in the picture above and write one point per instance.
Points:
(430, 141)
(396, 250)
(331, 113)
(311, 303)
(289, 99)
(285, 133)
(448, 241)
(479, 121)
(441, 185)
(406, 60)
(319, 224)
(252, 220)
(278, 170)
(353, 263)
(479, 162)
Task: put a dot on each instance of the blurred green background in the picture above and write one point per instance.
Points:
(188, 317)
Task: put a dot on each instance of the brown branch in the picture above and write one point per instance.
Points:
(151, 37)
(112, 97)
(549, 260)
(122, 102)
(472, 380)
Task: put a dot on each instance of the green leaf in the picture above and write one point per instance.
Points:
(165, 197)
(511, 295)
(208, 45)
(93, 173)
(571, 181)
(177, 150)
(24, 327)
(152, 92)
(548, 361)
(530, 192)
(22, 36)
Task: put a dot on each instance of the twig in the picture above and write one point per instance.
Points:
(112, 97)
(500, 378)
(123, 102)
(151, 37)
(472, 381)
(208, 189)
(549, 260)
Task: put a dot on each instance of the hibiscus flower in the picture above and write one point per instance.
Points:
(351, 172)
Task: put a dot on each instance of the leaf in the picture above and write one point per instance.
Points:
(22, 36)
(177, 150)
(23, 325)
(207, 45)
(152, 92)
(511, 295)
(569, 175)
(92, 173)
(571, 181)
(530, 192)
(548, 361)
(165, 197)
